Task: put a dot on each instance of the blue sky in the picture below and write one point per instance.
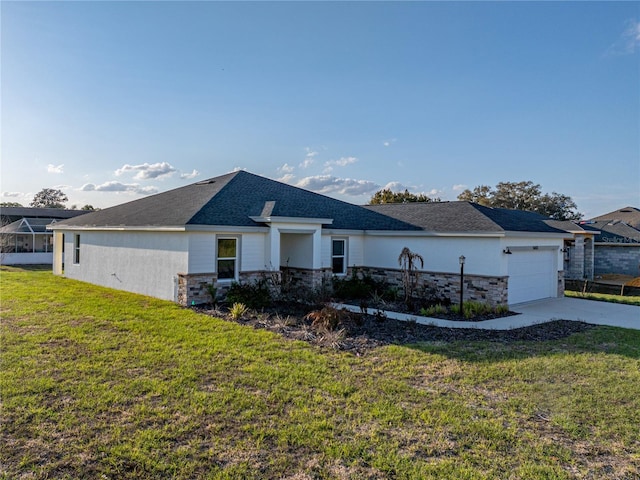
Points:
(110, 101)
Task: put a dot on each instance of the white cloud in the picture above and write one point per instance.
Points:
(309, 158)
(387, 143)
(55, 168)
(148, 171)
(459, 188)
(629, 40)
(342, 162)
(396, 187)
(189, 176)
(11, 194)
(287, 178)
(286, 168)
(329, 184)
(118, 187)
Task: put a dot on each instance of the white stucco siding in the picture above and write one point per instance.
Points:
(253, 252)
(355, 254)
(440, 254)
(296, 250)
(325, 245)
(355, 249)
(140, 262)
(202, 253)
(527, 243)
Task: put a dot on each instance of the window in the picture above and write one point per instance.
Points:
(227, 258)
(339, 256)
(76, 248)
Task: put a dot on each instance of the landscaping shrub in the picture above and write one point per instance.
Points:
(255, 295)
(359, 285)
(237, 311)
(328, 318)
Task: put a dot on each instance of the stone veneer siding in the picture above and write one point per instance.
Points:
(622, 259)
(478, 288)
(192, 289)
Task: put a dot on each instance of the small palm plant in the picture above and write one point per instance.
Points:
(237, 310)
(408, 261)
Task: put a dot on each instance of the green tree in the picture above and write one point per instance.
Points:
(10, 204)
(480, 194)
(387, 196)
(49, 198)
(523, 196)
(89, 208)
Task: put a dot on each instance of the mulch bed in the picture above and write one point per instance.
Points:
(359, 333)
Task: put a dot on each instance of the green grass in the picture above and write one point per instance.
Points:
(97, 383)
(603, 297)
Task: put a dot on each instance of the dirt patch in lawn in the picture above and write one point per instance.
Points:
(358, 333)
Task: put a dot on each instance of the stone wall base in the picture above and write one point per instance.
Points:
(478, 288)
(193, 289)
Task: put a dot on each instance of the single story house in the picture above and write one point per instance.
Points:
(24, 238)
(239, 227)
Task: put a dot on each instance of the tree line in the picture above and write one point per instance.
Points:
(512, 195)
(49, 198)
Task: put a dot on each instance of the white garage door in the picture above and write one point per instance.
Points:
(532, 275)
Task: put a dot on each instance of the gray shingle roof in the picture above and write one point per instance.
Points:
(628, 215)
(613, 232)
(450, 217)
(230, 200)
(15, 213)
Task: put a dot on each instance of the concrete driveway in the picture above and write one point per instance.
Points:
(589, 311)
(540, 311)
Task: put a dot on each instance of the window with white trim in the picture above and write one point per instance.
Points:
(227, 258)
(339, 256)
(76, 249)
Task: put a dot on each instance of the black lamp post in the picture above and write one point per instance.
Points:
(462, 259)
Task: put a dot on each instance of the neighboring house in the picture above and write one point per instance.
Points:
(628, 215)
(24, 238)
(617, 242)
(240, 227)
(579, 251)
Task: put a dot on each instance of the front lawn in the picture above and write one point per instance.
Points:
(97, 383)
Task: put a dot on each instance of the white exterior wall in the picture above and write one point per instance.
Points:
(529, 242)
(202, 251)
(253, 251)
(296, 250)
(355, 249)
(29, 258)
(440, 254)
(325, 245)
(139, 262)
(483, 255)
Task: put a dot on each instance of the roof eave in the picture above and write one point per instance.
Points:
(119, 228)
